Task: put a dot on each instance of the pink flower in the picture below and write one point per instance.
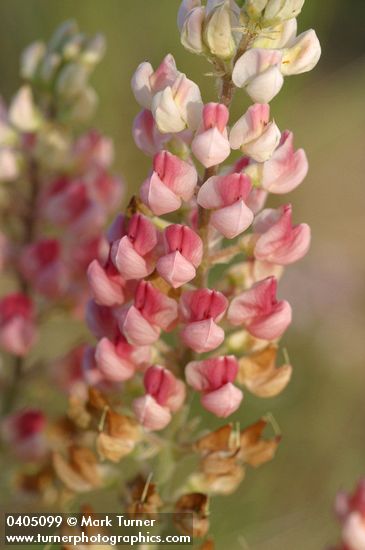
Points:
(164, 394)
(146, 82)
(257, 199)
(259, 311)
(105, 189)
(254, 134)
(214, 378)
(167, 390)
(102, 320)
(17, 325)
(210, 144)
(201, 309)
(183, 254)
(286, 169)
(227, 196)
(42, 265)
(67, 372)
(92, 374)
(279, 242)
(81, 252)
(106, 283)
(171, 182)
(67, 202)
(258, 70)
(118, 360)
(355, 502)
(132, 254)
(24, 433)
(152, 311)
(94, 149)
(146, 135)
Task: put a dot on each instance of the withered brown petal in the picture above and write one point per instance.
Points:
(77, 412)
(97, 400)
(218, 440)
(259, 374)
(193, 502)
(272, 384)
(254, 449)
(85, 462)
(112, 448)
(72, 480)
(121, 426)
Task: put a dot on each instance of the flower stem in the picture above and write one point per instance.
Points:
(225, 97)
(29, 223)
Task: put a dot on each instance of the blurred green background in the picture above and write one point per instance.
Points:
(286, 505)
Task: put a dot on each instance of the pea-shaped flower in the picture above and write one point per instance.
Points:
(183, 254)
(214, 379)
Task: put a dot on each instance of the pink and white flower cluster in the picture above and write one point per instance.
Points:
(52, 264)
(58, 191)
(153, 310)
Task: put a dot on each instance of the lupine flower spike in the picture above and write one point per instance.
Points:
(166, 327)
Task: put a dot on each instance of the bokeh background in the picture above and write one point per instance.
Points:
(285, 505)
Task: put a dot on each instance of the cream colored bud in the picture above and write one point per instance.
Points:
(255, 8)
(31, 58)
(53, 148)
(94, 50)
(63, 33)
(273, 12)
(218, 34)
(192, 31)
(72, 80)
(49, 66)
(23, 113)
(84, 106)
(283, 9)
(72, 47)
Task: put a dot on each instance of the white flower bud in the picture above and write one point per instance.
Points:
(31, 58)
(53, 148)
(192, 31)
(185, 8)
(72, 80)
(273, 12)
(49, 66)
(64, 32)
(283, 9)
(22, 112)
(72, 47)
(218, 34)
(94, 50)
